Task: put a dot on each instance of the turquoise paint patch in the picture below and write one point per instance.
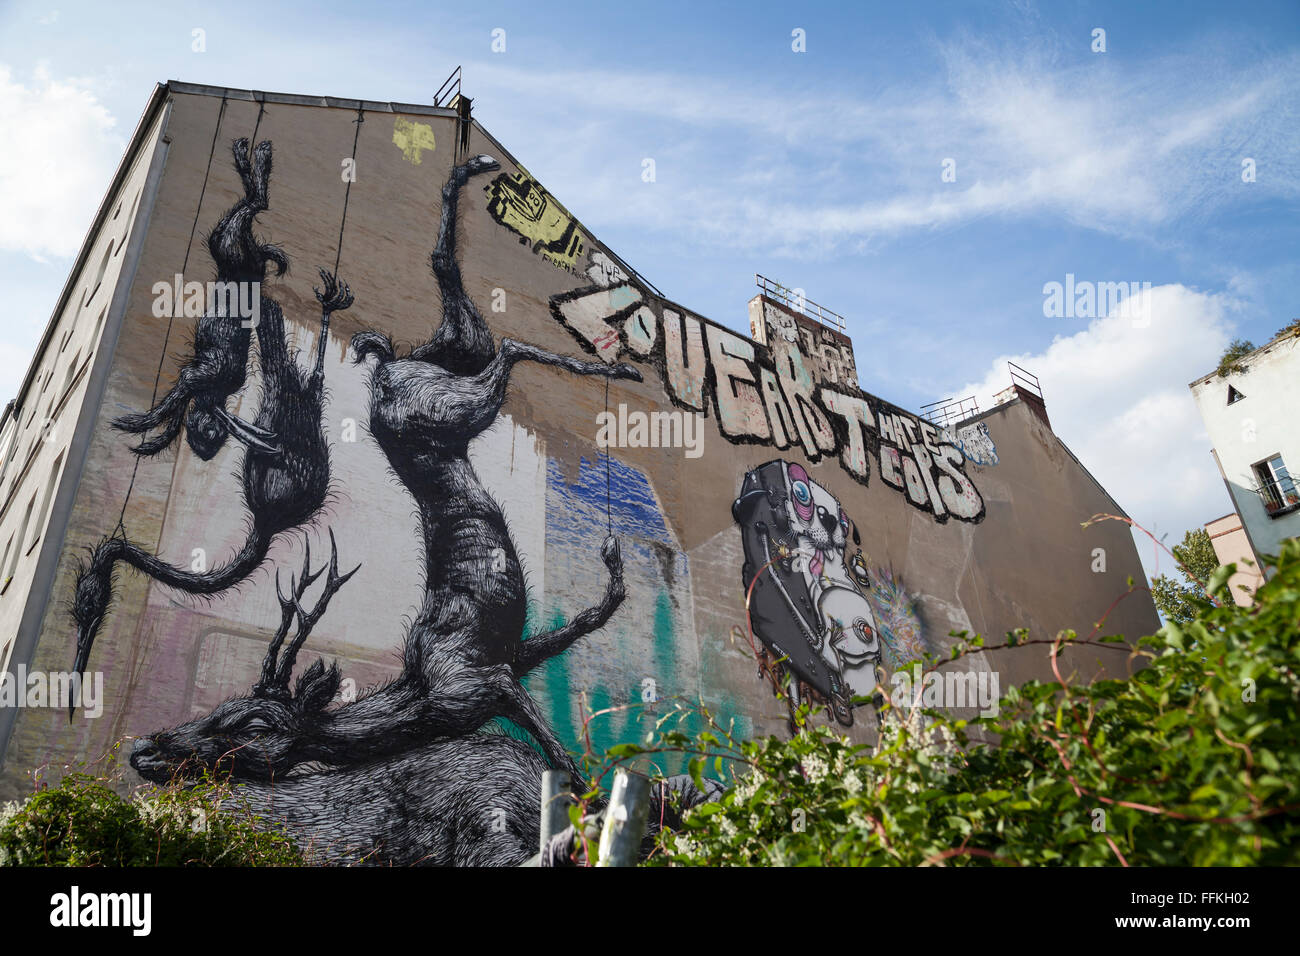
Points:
(642, 639)
(622, 297)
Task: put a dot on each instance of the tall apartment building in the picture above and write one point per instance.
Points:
(562, 492)
(1251, 416)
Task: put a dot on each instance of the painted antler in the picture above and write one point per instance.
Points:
(274, 682)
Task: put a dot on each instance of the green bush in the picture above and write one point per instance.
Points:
(85, 822)
(1191, 761)
(1230, 360)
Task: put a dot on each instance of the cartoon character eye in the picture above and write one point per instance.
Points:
(801, 492)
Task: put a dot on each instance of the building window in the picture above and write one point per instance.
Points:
(69, 376)
(50, 486)
(1234, 395)
(4, 582)
(99, 274)
(22, 533)
(1276, 487)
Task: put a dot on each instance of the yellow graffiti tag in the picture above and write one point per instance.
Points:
(412, 138)
(522, 206)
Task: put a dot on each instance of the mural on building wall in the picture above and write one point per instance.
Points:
(833, 358)
(806, 603)
(778, 395)
(826, 619)
(419, 768)
(413, 138)
(901, 639)
(217, 369)
(975, 443)
(286, 469)
(406, 772)
(520, 204)
(648, 653)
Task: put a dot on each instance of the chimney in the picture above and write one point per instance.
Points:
(785, 314)
(1024, 386)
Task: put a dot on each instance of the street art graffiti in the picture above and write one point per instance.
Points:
(827, 620)
(648, 648)
(898, 624)
(218, 366)
(286, 470)
(807, 604)
(832, 355)
(520, 204)
(441, 762)
(410, 771)
(463, 657)
(975, 442)
(776, 395)
(413, 138)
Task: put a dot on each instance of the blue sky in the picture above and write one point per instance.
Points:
(821, 169)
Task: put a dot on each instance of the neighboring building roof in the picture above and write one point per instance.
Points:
(1292, 332)
(1003, 406)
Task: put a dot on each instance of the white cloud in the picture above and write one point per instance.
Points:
(1124, 149)
(1117, 395)
(55, 166)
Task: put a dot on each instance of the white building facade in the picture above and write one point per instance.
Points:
(1253, 419)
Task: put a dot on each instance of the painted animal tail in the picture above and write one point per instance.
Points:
(94, 592)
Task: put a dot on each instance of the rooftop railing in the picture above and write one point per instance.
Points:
(795, 300)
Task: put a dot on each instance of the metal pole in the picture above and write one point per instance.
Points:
(556, 801)
(625, 820)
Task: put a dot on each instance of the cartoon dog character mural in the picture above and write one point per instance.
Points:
(808, 605)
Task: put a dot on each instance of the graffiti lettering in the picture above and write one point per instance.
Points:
(975, 443)
(775, 393)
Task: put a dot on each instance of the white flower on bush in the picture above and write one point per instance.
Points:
(853, 783)
(747, 787)
(8, 810)
(815, 768)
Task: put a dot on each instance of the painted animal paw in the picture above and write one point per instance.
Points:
(337, 296)
(611, 553)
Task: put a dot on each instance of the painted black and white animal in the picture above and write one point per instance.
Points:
(472, 800)
(218, 365)
(284, 487)
(463, 656)
(468, 801)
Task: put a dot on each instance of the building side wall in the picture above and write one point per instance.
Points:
(1256, 427)
(944, 543)
(1231, 546)
(35, 463)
